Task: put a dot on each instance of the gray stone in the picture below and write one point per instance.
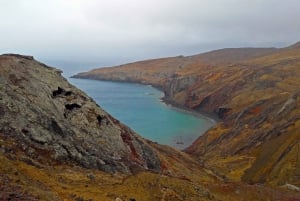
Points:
(61, 123)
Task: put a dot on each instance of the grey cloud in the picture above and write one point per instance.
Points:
(115, 31)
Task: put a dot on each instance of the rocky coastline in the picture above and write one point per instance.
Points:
(253, 91)
(56, 143)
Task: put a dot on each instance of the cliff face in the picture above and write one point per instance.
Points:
(258, 139)
(256, 94)
(48, 119)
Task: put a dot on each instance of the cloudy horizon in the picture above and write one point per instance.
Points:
(103, 33)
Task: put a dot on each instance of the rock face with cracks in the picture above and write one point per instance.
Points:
(51, 121)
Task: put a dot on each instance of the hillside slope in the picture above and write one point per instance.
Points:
(256, 94)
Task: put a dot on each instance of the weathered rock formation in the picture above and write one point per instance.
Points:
(51, 121)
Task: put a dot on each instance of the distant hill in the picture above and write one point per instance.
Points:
(254, 91)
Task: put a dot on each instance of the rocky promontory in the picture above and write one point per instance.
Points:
(50, 120)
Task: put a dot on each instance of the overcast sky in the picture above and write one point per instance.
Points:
(94, 33)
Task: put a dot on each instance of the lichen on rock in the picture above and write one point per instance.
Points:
(61, 124)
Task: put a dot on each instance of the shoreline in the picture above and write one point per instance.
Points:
(170, 102)
(165, 99)
(204, 115)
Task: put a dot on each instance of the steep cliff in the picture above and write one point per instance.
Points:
(259, 138)
(45, 117)
(255, 91)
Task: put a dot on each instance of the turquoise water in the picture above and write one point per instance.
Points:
(140, 108)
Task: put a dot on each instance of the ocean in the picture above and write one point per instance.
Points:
(140, 107)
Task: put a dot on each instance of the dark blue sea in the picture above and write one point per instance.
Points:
(140, 107)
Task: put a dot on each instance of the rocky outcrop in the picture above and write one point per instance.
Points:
(51, 122)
